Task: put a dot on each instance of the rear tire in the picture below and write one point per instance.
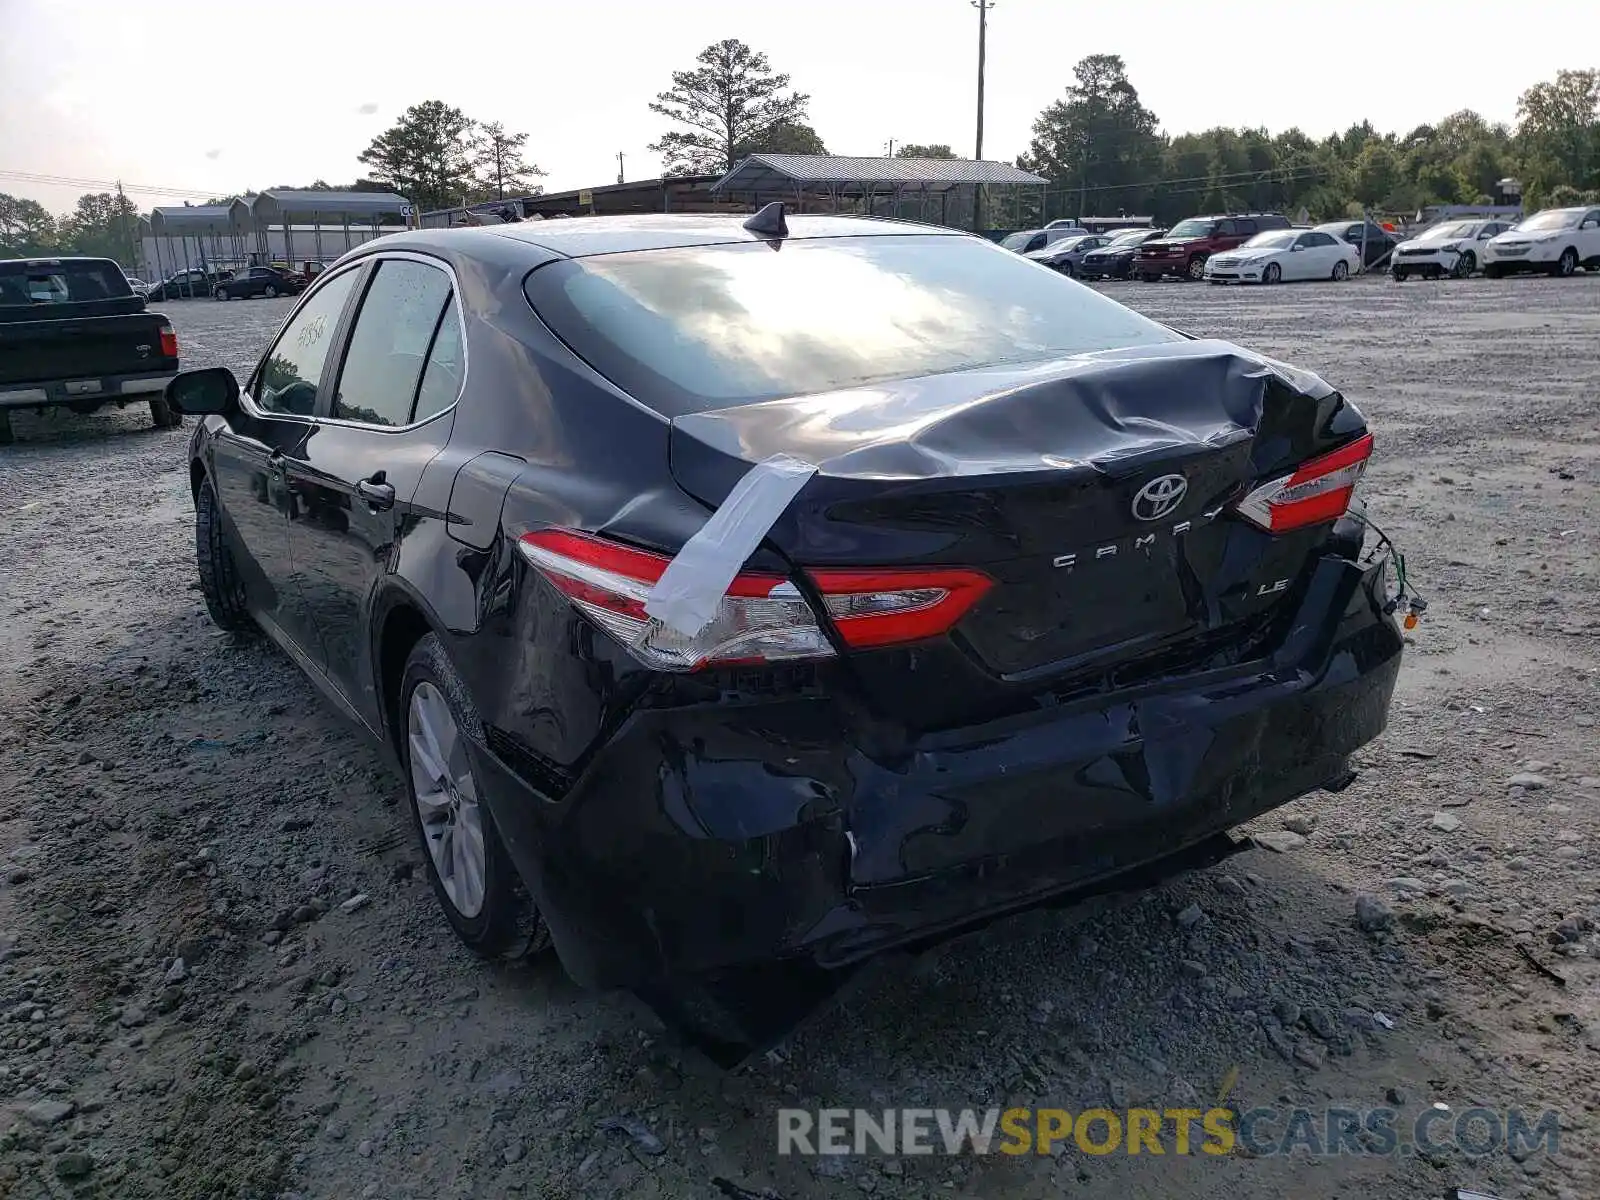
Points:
(1341, 271)
(219, 578)
(1197, 267)
(163, 415)
(485, 902)
(270, 292)
(1068, 270)
(220, 294)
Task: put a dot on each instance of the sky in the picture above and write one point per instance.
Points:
(218, 98)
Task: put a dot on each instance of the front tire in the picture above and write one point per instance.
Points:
(472, 876)
(1465, 265)
(220, 294)
(220, 583)
(1566, 264)
(1272, 274)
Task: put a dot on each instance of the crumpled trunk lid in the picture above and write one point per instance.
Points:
(1096, 491)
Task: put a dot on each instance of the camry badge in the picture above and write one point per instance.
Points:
(1159, 497)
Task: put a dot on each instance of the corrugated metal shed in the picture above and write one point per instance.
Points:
(195, 220)
(773, 172)
(275, 207)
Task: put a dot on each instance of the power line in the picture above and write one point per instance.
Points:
(104, 185)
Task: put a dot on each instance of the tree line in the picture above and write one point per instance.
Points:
(1101, 149)
(1103, 152)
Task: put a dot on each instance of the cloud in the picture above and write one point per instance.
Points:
(367, 109)
(214, 153)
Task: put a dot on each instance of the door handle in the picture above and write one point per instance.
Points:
(376, 491)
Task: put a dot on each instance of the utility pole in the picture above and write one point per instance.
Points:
(889, 148)
(983, 7)
(619, 166)
(122, 223)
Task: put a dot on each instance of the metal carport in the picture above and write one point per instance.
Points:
(910, 185)
(208, 236)
(298, 209)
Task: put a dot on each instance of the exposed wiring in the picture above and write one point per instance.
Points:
(1415, 605)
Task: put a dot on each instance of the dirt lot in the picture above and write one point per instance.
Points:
(188, 1010)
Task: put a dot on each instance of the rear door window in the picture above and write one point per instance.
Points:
(1235, 228)
(698, 327)
(389, 346)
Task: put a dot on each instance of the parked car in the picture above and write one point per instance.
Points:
(139, 286)
(1380, 241)
(1283, 255)
(1556, 241)
(1115, 259)
(704, 625)
(1452, 248)
(1067, 223)
(1027, 240)
(1067, 254)
(1183, 250)
(258, 281)
(186, 284)
(74, 335)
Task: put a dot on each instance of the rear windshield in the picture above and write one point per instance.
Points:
(64, 281)
(700, 327)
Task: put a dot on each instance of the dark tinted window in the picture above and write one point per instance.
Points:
(390, 343)
(287, 382)
(62, 281)
(699, 327)
(441, 378)
(1315, 239)
(1231, 228)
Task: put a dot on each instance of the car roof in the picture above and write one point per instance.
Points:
(580, 237)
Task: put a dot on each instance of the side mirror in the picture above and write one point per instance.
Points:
(210, 390)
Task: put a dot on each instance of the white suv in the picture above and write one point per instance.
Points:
(1557, 241)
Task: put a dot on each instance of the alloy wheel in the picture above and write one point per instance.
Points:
(447, 799)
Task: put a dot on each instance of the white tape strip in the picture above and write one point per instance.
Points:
(690, 590)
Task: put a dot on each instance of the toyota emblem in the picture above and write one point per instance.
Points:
(1159, 497)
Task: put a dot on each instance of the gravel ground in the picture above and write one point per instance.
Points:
(222, 973)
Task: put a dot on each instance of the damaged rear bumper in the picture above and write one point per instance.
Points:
(704, 840)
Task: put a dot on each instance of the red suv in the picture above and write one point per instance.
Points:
(1187, 245)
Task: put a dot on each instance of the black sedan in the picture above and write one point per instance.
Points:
(1115, 258)
(257, 281)
(185, 285)
(742, 599)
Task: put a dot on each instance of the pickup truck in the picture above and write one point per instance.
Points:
(73, 333)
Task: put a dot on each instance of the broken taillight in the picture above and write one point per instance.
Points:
(1318, 491)
(169, 342)
(761, 617)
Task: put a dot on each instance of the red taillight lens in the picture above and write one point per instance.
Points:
(762, 617)
(1319, 491)
(169, 342)
(889, 607)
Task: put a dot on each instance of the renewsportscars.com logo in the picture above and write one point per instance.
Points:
(1217, 1131)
